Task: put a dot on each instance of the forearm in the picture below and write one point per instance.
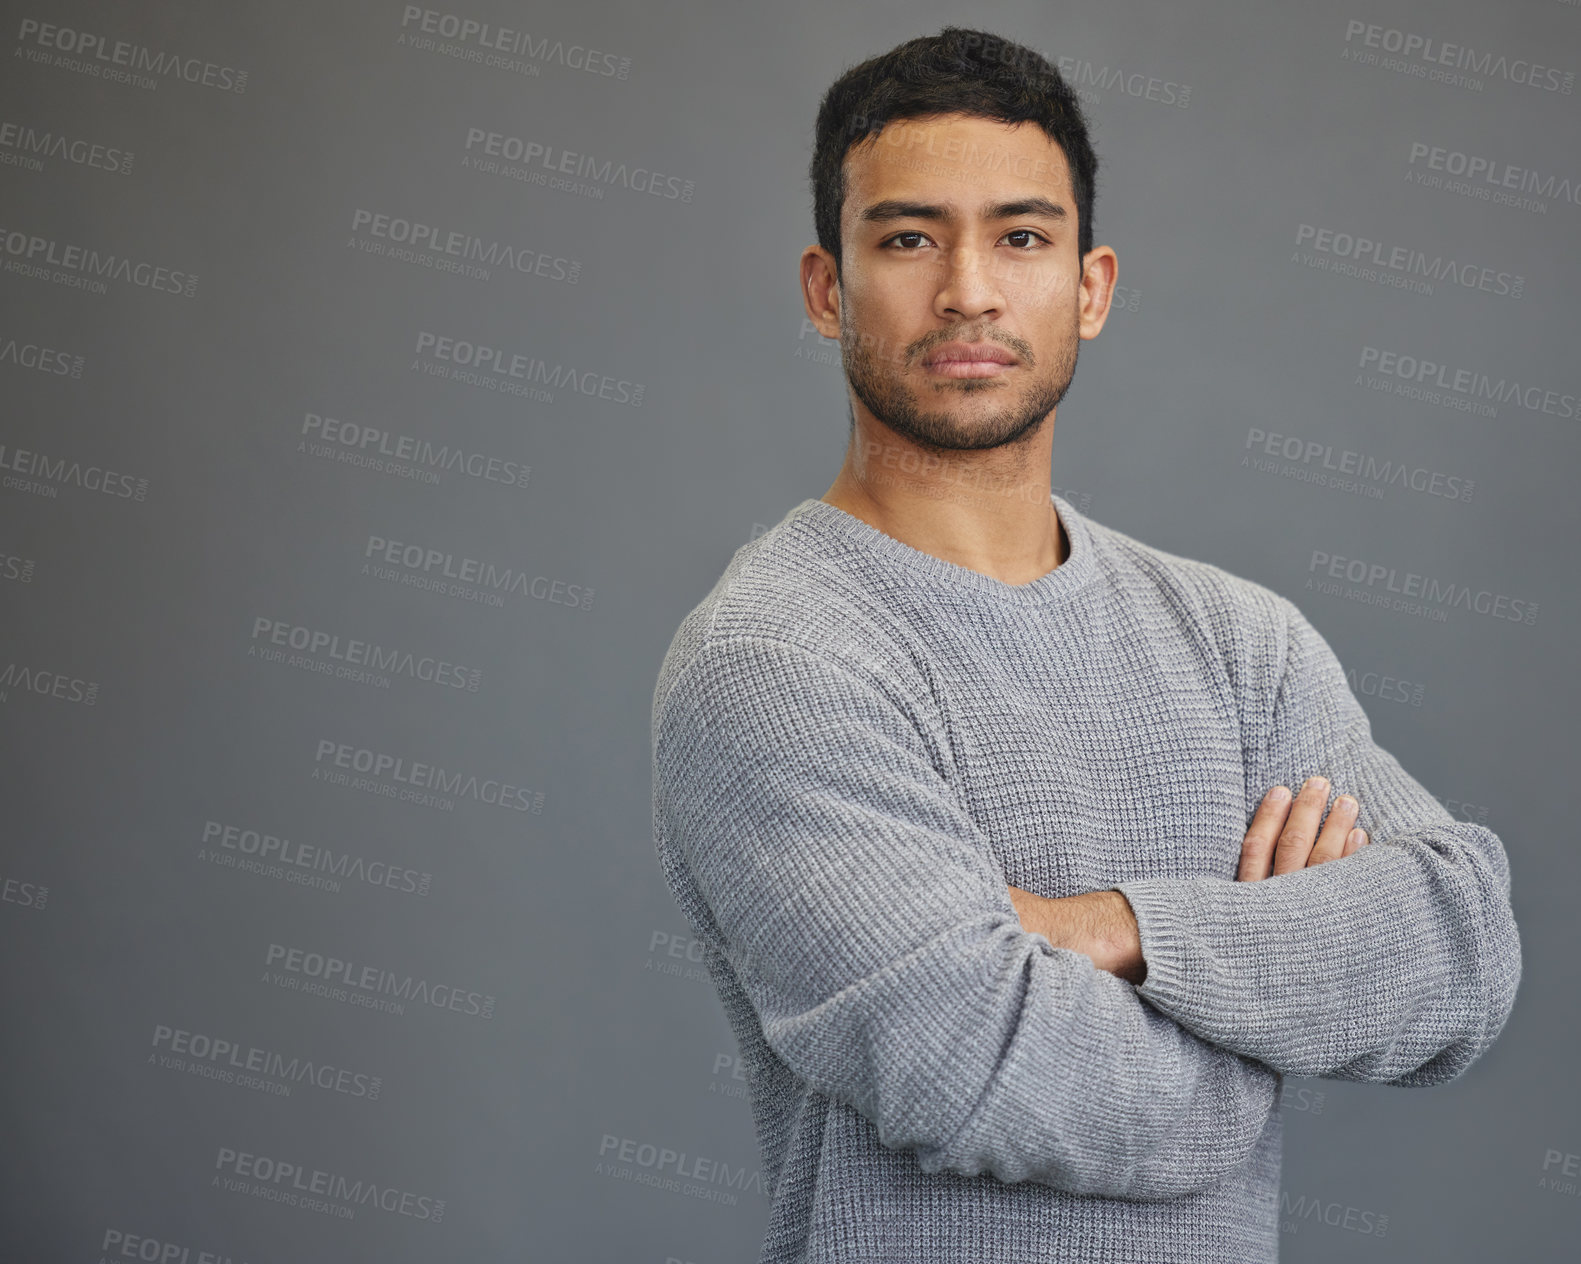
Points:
(1021, 1060)
(1097, 924)
(1397, 964)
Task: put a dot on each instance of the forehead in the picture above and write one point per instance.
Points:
(957, 161)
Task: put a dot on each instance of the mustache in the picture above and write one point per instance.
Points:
(1020, 346)
(877, 348)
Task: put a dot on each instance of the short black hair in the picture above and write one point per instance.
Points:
(957, 71)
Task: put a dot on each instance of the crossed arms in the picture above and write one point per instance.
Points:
(859, 908)
(1287, 833)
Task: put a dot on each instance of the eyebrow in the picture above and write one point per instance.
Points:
(895, 208)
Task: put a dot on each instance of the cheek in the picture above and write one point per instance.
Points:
(1044, 313)
(880, 330)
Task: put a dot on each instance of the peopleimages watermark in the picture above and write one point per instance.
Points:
(304, 864)
(1488, 179)
(1425, 57)
(534, 161)
(368, 986)
(468, 577)
(47, 683)
(959, 159)
(120, 61)
(41, 359)
(1435, 596)
(119, 1244)
(1403, 267)
(25, 146)
(17, 569)
(454, 249)
(945, 478)
(1384, 687)
(1084, 76)
(24, 894)
(1306, 1100)
(1347, 469)
(1475, 813)
(677, 951)
(1469, 390)
(296, 1184)
(249, 1066)
(86, 268)
(1560, 1172)
(503, 47)
(512, 373)
(350, 658)
(919, 139)
(676, 1171)
(416, 779)
(42, 475)
(1296, 1213)
(404, 456)
(732, 1063)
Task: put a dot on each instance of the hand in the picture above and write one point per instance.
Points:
(1295, 843)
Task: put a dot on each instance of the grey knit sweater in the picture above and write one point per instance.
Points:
(857, 745)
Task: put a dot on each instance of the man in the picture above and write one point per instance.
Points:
(976, 803)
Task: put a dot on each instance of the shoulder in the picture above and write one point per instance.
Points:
(784, 603)
(1245, 623)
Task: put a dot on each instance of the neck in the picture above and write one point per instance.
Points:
(987, 510)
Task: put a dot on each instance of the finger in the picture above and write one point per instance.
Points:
(1301, 827)
(1354, 841)
(1336, 830)
(1257, 849)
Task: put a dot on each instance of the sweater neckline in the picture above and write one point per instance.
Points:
(1058, 583)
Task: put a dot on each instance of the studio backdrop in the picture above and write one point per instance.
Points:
(381, 384)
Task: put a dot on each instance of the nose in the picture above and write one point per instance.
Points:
(968, 289)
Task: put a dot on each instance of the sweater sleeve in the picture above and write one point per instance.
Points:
(871, 929)
(1397, 964)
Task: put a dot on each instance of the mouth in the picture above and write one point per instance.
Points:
(968, 359)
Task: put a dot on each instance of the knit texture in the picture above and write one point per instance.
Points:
(858, 745)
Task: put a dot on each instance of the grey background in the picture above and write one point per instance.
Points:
(606, 1034)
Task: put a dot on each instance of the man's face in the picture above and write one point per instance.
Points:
(959, 230)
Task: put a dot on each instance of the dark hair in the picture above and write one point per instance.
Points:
(957, 71)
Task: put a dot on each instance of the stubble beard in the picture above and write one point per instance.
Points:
(880, 385)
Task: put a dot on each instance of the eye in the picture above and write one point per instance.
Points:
(1027, 232)
(897, 237)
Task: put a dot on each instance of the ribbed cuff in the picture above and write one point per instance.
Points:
(1161, 907)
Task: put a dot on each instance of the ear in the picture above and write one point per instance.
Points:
(820, 290)
(1099, 269)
